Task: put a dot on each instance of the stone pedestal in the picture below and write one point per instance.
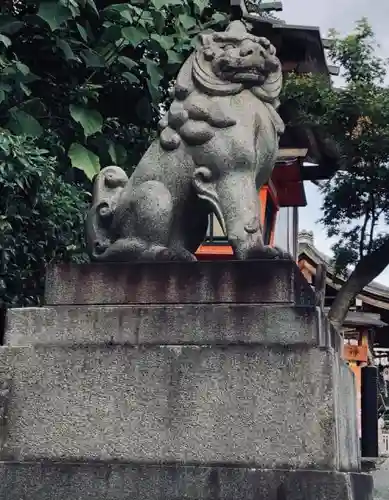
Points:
(198, 381)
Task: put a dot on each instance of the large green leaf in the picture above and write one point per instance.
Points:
(127, 15)
(92, 4)
(9, 25)
(34, 107)
(113, 34)
(155, 77)
(92, 59)
(5, 40)
(83, 32)
(73, 6)
(84, 160)
(158, 4)
(117, 153)
(154, 72)
(67, 50)
(23, 68)
(130, 77)
(117, 7)
(21, 123)
(166, 42)
(187, 21)
(174, 57)
(5, 89)
(129, 63)
(217, 17)
(54, 14)
(135, 35)
(158, 20)
(201, 5)
(90, 120)
(26, 91)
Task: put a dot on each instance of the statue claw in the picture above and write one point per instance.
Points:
(159, 253)
(268, 252)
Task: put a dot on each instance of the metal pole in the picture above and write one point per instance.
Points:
(369, 411)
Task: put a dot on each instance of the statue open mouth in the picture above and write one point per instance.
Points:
(249, 74)
(235, 71)
(239, 74)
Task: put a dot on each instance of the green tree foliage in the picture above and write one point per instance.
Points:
(86, 77)
(82, 83)
(356, 114)
(41, 219)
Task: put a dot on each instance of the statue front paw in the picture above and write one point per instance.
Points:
(268, 252)
(101, 246)
(161, 253)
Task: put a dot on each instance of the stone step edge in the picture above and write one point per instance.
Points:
(174, 324)
(201, 482)
(171, 465)
(205, 305)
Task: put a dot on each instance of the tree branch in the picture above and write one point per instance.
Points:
(373, 222)
(363, 233)
(368, 268)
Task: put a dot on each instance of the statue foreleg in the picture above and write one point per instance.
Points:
(235, 200)
(241, 210)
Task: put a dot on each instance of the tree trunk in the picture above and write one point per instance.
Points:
(368, 268)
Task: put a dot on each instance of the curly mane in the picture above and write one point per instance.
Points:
(195, 114)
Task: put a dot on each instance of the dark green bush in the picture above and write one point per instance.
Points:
(41, 219)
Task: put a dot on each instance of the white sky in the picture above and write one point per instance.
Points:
(340, 15)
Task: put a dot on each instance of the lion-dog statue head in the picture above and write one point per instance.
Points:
(223, 64)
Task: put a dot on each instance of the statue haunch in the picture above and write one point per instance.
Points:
(217, 145)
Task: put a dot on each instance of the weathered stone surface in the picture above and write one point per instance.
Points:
(257, 405)
(70, 481)
(346, 409)
(327, 333)
(173, 324)
(261, 281)
(381, 480)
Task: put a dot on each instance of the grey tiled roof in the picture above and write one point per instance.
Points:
(374, 288)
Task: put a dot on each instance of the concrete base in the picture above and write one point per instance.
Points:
(102, 481)
(253, 405)
(209, 367)
(236, 282)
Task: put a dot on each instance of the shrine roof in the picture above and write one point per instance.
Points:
(375, 293)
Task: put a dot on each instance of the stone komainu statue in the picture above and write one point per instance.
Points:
(217, 145)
